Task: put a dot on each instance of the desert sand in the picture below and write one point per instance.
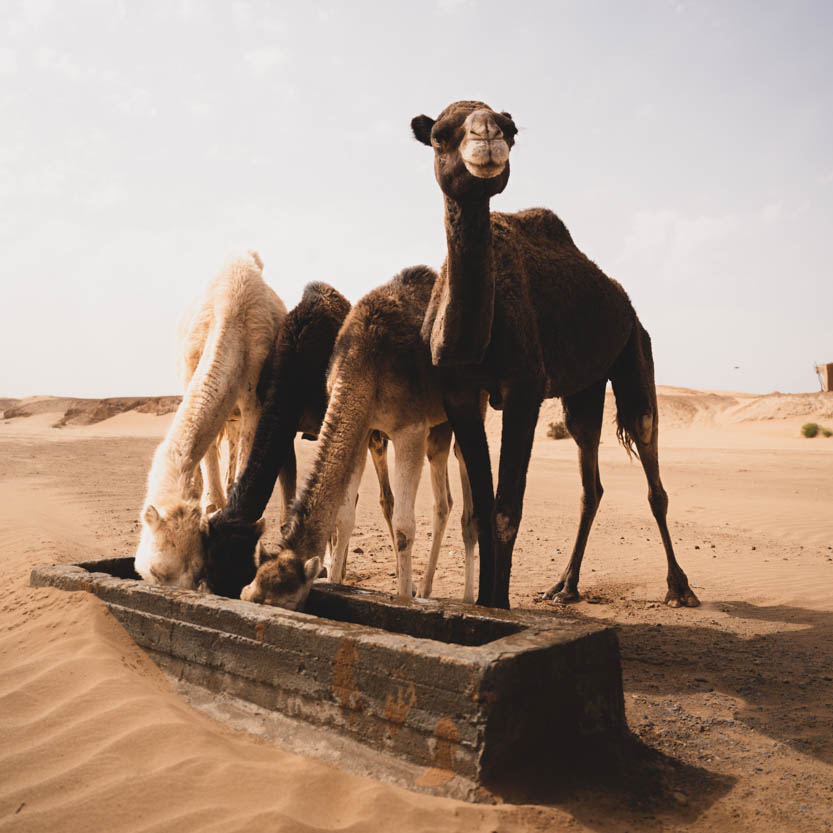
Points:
(730, 704)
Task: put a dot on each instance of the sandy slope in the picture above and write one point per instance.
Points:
(732, 703)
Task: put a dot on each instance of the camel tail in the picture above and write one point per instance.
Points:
(256, 258)
(632, 377)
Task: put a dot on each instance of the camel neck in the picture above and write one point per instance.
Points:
(342, 444)
(171, 474)
(463, 327)
(468, 232)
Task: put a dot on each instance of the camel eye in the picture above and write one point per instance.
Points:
(440, 136)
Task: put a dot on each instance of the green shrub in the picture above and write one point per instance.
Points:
(813, 429)
(558, 431)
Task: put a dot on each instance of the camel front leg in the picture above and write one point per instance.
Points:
(345, 521)
(439, 447)
(249, 416)
(288, 478)
(214, 497)
(463, 407)
(409, 453)
(231, 431)
(520, 414)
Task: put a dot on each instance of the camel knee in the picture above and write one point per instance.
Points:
(658, 498)
(591, 498)
(506, 524)
(645, 428)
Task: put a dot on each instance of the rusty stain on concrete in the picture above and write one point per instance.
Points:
(444, 745)
(345, 690)
(398, 709)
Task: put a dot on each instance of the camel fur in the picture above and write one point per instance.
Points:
(225, 347)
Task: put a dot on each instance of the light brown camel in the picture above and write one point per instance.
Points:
(380, 378)
(520, 311)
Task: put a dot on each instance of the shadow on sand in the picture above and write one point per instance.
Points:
(625, 784)
(782, 678)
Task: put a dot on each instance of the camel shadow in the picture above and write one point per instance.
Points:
(623, 782)
(783, 685)
(783, 678)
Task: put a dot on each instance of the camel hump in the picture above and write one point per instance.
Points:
(541, 222)
(319, 291)
(256, 258)
(416, 277)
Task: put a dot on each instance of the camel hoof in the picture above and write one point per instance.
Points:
(561, 594)
(684, 599)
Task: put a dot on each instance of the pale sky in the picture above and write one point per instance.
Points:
(688, 146)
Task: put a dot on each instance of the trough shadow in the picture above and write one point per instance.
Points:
(621, 783)
(785, 678)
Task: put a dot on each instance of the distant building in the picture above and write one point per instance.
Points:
(825, 374)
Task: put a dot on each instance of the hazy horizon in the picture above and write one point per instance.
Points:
(686, 145)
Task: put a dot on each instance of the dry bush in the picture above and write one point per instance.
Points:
(558, 431)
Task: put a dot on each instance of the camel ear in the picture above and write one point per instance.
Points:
(504, 113)
(151, 516)
(260, 527)
(421, 126)
(312, 568)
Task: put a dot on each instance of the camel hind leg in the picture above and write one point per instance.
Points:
(638, 421)
(409, 448)
(378, 447)
(438, 449)
(583, 416)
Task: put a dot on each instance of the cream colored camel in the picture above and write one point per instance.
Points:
(225, 346)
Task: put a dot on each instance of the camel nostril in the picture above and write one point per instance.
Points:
(483, 126)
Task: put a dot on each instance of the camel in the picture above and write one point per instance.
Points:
(295, 399)
(520, 311)
(226, 344)
(380, 379)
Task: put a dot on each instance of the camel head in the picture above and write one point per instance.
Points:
(471, 148)
(170, 550)
(231, 548)
(283, 580)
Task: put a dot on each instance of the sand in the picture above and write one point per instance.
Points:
(730, 705)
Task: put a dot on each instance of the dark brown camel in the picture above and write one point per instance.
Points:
(519, 311)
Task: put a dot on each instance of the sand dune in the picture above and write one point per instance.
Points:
(731, 701)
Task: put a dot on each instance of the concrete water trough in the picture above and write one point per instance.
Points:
(430, 694)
